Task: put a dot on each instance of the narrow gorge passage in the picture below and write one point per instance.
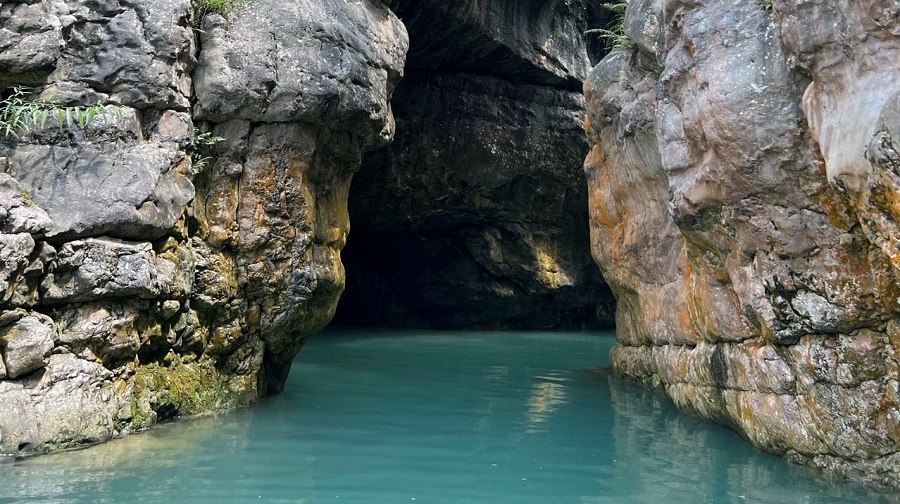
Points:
(475, 216)
(740, 199)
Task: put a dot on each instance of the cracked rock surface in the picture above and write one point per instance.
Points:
(743, 182)
(141, 278)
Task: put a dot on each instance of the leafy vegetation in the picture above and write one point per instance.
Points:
(18, 114)
(765, 4)
(201, 143)
(221, 7)
(614, 34)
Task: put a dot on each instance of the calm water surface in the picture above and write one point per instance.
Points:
(430, 417)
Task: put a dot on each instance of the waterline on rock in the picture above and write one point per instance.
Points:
(440, 418)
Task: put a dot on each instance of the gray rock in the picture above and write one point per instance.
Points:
(18, 213)
(8, 317)
(18, 421)
(31, 39)
(133, 191)
(301, 89)
(98, 268)
(76, 403)
(139, 55)
(26, 344)
(525, 41)
(319, 62)
(108, 330)
(15, 252)
(756, 220)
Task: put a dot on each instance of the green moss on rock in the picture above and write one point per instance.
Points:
(180, 389)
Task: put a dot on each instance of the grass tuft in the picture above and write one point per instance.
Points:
(19, 115)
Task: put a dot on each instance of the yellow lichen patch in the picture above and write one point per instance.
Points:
(549, 272)
(332, 220)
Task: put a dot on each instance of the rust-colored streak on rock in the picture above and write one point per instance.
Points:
(743, 185)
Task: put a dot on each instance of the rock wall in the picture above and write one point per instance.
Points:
(474, 215)
(743, 180)
(137, 283)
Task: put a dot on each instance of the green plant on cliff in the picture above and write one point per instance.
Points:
(201, 144)
(221, 7)
(18, 114)
(765, 4)
(614, 34)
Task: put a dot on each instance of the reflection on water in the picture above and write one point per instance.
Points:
(435, 418)
(99, 469)
(546, 396)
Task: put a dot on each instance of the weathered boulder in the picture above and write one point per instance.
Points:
(330, 64)
(15, 256)
(91, 269)
(737, 219)
(139, 191)
(31, 39)
(18, 213)
(474, 215)
(26, 344)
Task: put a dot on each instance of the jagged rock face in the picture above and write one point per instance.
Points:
(274, 206)
(135, 284)
(742, 181)
(474, 215)
(531, 41)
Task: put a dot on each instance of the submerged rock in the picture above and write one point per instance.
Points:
(740, 182)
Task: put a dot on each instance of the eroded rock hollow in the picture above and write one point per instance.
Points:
(743, 186)
(475, 215)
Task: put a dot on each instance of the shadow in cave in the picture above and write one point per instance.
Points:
(476, 215)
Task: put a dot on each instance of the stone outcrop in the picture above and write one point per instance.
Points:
(743, 185)
(144, 274)
(474, 215)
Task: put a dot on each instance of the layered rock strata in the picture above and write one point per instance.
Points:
(474, 216)
(743, 183)
(141, 277)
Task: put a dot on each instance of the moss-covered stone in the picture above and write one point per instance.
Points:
(179, 389)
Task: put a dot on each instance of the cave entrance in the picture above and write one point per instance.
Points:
(475, 216)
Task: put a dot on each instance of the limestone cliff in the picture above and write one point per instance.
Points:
(743, 180)
(475, 215)
(137, 281)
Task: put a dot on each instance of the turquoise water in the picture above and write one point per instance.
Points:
(432, 417)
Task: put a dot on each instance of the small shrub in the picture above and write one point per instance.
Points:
(201, 142)
(221, 7)
(19, 114)
(765, 4)
(614, 35)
